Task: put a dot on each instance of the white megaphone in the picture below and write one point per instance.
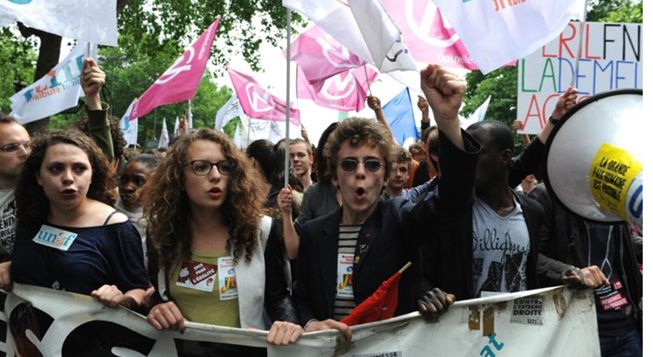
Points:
(593, 158)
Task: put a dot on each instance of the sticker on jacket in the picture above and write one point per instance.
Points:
(344, 286)
(54, 237)
(227, 278)
(197, 276)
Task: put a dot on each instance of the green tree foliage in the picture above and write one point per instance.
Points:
(502, 83)
(18, 58)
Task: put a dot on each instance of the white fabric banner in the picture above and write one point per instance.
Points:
(85, 20)
(546, 322)
(497, 32)
(229, 110)
(128, 127)
(58, 90)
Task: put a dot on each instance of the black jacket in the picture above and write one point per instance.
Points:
(447, 256)
(564, 244)
(387, 235)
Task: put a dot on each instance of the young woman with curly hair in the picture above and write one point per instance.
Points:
(213, 254)
(68, 237)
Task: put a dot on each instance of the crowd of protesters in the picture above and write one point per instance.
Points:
(208, 233)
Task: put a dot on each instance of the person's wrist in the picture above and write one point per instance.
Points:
(553, 120)
(93, 103)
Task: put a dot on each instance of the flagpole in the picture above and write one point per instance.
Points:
(287, 154)
(580, 46)
(369, 87)
(403, 269)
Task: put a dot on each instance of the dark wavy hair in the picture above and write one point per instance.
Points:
(32, 205)
(358, 132)
(321, 157)
(167, 207)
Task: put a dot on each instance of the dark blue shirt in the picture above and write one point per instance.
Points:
(110, 254)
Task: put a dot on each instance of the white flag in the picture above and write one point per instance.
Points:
(128, 127)
(175, 131)
(58, 90)
(164, 139)
(363, 27)
(499, 31)
(85, 20)
(229, 110)
(477, 115)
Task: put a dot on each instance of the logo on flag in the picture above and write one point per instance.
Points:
(180, 81)
(257, 102)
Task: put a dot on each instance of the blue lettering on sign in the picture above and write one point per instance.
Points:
(21, 2)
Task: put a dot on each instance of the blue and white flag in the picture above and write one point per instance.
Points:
(399, 114)
(57, 91)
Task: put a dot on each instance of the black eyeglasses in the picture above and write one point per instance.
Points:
(203, 167)
(14, 147)
(371, 165)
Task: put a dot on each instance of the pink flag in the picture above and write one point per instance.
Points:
(257, 102)
(344, 91)
(180, 81)
(427, 34)
(320, 56)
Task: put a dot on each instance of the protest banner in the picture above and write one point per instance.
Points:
(611, 57)
(547, 322)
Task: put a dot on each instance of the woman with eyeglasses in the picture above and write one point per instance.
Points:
(68, 236)
(215, 257)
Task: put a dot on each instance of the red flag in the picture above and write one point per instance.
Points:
(379, 306)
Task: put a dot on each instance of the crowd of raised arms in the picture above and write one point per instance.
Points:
(205, 232)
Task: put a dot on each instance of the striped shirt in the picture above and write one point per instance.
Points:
(347, 239)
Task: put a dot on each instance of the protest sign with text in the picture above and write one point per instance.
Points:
(610, 58)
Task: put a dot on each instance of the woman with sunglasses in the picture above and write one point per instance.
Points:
(215, 257)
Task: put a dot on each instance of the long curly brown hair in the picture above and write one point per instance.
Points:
(32, 204)
(167, 207)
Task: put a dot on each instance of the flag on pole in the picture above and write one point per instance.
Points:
(499, 31)
(344, 91)
(478, 115)
(320, 56)
(363, 27)
(128, 127)
(257, 102)
(176, 132)
(58, 90)
(180, 81)
(399, 114)
(164, 139)
(379, 306)
(85, 20)
(428, 35)
(229, 110)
